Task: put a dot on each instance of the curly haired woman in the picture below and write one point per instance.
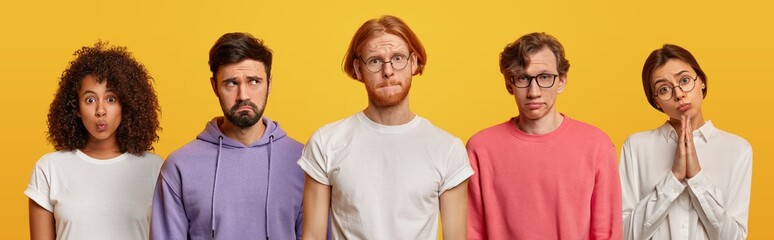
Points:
(99, 183)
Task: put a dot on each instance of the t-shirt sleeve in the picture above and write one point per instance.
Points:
(457, 167)
(38, 188)
(313, 161)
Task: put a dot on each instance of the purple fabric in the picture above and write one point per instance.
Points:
(251, 184)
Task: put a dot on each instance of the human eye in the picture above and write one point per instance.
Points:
(685, 80)
(89, 100)
(112, 99)
(229, 83)
(374, 61)
(399, 58)
(543, 77)
(663, 89)
(523, 78)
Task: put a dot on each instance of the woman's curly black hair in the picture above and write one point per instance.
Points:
(127, 78)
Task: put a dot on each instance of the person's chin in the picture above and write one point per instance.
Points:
(533, 114)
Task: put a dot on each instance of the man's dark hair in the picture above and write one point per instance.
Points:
(237, 46)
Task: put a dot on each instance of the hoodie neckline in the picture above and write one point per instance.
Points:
(211, 134)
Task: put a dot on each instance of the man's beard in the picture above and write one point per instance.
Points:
(243, 119)
(388, 100)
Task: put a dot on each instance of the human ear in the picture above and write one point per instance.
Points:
(214, 85)
(508, 85)
(269, 83)
(356, 65)
(414, 66)
(562, 83)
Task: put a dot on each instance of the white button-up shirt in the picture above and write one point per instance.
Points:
(714, 204)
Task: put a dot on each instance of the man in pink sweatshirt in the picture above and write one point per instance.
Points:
(541, 174)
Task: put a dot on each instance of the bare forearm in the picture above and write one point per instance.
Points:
(42, 226)
(454, 212)
(316, 207)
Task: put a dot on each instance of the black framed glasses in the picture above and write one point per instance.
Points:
(398, 61)
(543, 80)
(665, 91)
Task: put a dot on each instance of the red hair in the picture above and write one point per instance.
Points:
(376, 27)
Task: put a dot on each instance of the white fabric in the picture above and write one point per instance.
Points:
(96, 199)
(714, 204)
(385, 180)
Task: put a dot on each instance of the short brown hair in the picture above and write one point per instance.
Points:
(374, 27)
(237, 46)
(658, 58)
(515, 57)
(127, 78)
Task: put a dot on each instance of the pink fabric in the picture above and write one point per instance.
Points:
(561, 185)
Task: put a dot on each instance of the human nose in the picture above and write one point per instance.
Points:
(242, 92)
(678, 93)
(387, 69)
(533, 89)
(101, 110)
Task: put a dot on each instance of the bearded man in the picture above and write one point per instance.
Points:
(238, 178)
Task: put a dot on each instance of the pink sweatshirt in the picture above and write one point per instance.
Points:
(561, 185)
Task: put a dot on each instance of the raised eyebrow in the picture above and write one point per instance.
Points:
(111, 92)
(680, 72)
(373, 57)
(87, 92)
(378, 56)
(256, 78)
(658, 81)
(231, 79)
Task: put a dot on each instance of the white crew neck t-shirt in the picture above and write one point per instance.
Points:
(386, 181)
(96, 199)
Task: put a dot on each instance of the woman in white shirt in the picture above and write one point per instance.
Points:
(99, 183)
(685, 179)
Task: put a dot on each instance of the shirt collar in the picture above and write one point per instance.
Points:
(705, 131)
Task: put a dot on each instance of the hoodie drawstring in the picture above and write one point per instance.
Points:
(268, 185)
(214, 184)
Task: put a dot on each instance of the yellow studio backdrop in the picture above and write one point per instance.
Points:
(462, 90)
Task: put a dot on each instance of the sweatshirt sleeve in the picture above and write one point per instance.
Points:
(724, 220)
(169, 220)
(606, 199)
(642, 215)
(476, 219)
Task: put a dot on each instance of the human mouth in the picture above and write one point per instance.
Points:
(244, 108)
(101, 126)
(684, 107)
(534, 106)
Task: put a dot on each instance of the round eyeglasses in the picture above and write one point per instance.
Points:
(543, 80)
(665, 91)
(374, 64)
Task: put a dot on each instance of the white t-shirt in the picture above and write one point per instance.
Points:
(386, 181)
(96, 199)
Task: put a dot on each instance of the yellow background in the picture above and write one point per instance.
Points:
(461, 91)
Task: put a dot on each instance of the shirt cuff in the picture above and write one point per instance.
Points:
(313, 172)
(671, 187)
(458, 177)
(698, 184)
(39, 199)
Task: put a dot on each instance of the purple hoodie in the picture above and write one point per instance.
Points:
(217, 188)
